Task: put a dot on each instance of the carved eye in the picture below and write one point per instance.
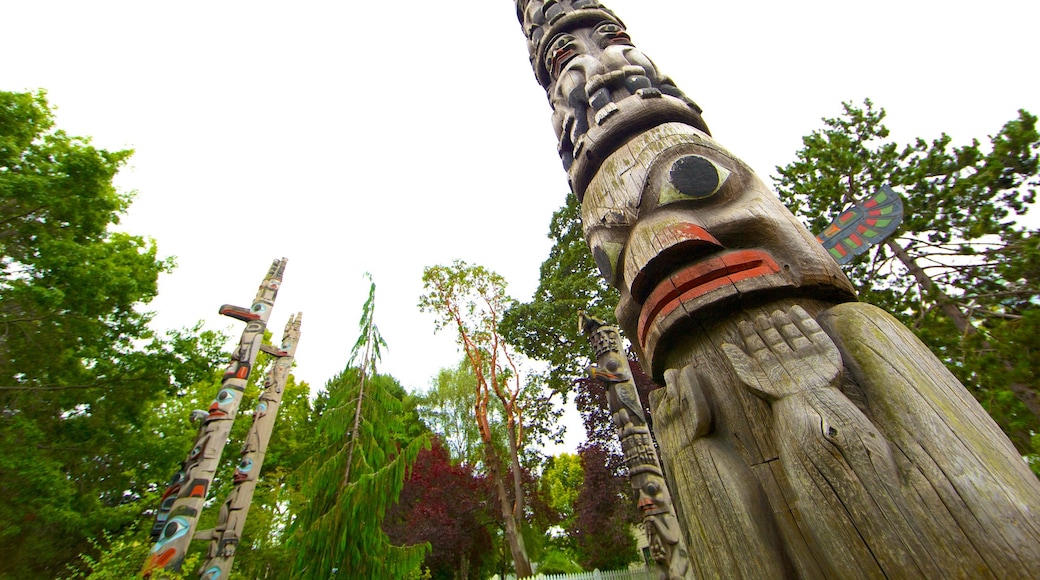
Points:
(225, 396)
(259, 307)
(561, 50)
(651, 488)
(195, 452)
(608, 33)
(245, 465)
(177, 478)
(173, 529)
(693, 177)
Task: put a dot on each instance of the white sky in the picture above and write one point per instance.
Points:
(390, 136)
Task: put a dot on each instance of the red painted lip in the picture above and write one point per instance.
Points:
(694, 281)
(678, 243)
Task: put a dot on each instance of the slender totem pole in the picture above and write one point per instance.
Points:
(644, 470)
(188, 488)
(224, 538)
(803, 434)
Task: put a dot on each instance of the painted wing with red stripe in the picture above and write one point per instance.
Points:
(863, 225)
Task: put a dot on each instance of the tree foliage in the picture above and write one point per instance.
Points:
(561, 480)
(961, 269)
(546, 328)
(471, 300)
(447, 408)
(446, 505)
(79, 367)
(362, 456)
(603, 515)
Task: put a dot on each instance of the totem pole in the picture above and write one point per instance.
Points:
(644, 471)
(189, 486)
(803, 434)
(224, 538)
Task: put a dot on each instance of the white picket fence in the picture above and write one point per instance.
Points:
(643, 573)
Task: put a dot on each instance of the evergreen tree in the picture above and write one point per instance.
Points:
(362, 458)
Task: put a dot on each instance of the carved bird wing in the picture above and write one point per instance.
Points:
(863, 225)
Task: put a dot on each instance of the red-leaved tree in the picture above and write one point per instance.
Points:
(447, 506)
(603, 514)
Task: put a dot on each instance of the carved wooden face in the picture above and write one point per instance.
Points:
(244, 469)
(653, 497)
(222, 406)
(165, 551)
(687, 232)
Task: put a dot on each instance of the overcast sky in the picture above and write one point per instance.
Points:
(390, 136)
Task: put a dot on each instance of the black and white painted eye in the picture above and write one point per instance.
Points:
(692, 177)
(175, 528)
(177, 479)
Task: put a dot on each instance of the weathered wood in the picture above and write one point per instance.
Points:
(802, 434)
(644, 470)
(225, 537)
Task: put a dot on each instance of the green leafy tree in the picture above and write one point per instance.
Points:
(546, 328)
(356, 474)
(960, 270)
(447, 409)
(79, 367)
(561, 480)
(118, 557)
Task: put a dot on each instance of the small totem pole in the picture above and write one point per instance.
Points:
(224, 538)
(644, 472)
(803, 434)
(182, 503)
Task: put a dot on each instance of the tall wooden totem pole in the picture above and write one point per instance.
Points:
(803, 434)
(184, 498)
(224, 538)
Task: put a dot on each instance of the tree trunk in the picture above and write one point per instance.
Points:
(516, 540)
(1025, 393)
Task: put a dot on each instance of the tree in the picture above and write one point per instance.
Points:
(957, 271)
(443, 504)
(356, 474)
(448, 410)
(561, 480)
(603, 515)
(546, 328)
(472, 300)
(79, 367)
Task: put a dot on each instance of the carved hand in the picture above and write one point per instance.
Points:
(784, 354)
